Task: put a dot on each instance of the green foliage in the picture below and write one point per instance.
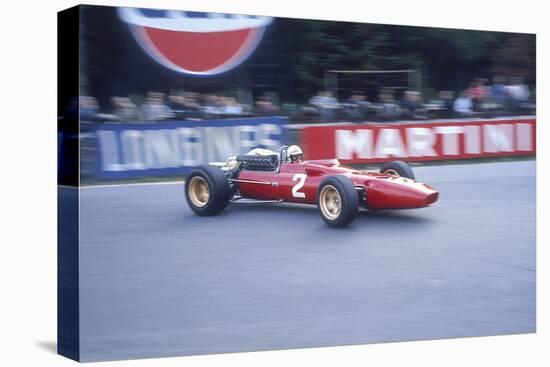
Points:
(446, 58)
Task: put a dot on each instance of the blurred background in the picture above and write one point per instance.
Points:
(145, 66)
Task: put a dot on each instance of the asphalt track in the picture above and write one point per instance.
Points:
(156, 280)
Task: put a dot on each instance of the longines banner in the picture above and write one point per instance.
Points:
(421, 142)
(172, 148)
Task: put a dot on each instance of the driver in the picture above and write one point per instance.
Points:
(295, 154)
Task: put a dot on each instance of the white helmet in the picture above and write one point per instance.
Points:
(295, 153)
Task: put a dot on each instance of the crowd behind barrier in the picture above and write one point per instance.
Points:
(502, 97)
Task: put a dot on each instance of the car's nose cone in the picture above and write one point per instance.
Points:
(399, 193)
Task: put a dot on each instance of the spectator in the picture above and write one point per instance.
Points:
(444, 104)
(231, 106)
(265, 107)
(413, 106)
(356, 107)
(478, 94)
(212, 105)
(463, 105)
(523, 90)
(191, 105)
(498, 92)
(389, 108)
(154, 108)
(176, 104)
(89, 108)
(325, 104)
(124, 110)
(184, 105)
(519, 94)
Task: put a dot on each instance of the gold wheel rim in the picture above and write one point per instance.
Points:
(199, 194)
(330, 202)
(391, 172)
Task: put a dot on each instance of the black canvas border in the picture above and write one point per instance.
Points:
(68, 316)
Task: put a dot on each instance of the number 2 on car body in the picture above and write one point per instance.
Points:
(301, 178)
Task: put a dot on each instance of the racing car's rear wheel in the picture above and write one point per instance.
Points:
(397, 168)
(337, 201)
(207, 190)
(198, 191)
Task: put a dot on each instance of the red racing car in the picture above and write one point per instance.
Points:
(283, 176)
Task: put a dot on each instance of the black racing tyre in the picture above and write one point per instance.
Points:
(207, 190)
(337, 201)
(398, 168)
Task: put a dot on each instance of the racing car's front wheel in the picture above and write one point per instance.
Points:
(397, 168)
(337, 201)
(207, 190)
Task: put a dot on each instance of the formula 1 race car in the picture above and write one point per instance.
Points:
(283, 176)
